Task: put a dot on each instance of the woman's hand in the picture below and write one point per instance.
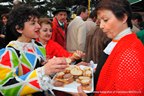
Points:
(77, 55)
(80, 92)
(83, 63)
(55, 65)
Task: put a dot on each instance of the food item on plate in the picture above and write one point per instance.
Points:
(74, 74)
(60, 75)
(68, 78)
(85, 82)
(68, 69)
(81, 78)
(87, 73)
(65, 79)
(58, 83)
(84, 77)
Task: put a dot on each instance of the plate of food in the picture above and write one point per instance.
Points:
(72, 77)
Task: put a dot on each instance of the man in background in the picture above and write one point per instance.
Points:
(76, 32)
(59, 26)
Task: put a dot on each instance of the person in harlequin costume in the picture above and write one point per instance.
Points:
(21, 61)
(122, 73)
(52, 47)
(59, 25)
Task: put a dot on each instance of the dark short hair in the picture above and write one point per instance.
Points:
(18, 16)
(118, 7)
(81, 9)
(4, 15)
(93, 14)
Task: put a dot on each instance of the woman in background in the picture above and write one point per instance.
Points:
(52, 47)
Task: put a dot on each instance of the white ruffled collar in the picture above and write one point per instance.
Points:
(113, 43)
(22, 46)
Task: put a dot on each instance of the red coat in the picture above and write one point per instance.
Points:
(58, 33)
(54, 49)
(123, 70)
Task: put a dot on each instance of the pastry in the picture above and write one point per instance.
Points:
(74, 73)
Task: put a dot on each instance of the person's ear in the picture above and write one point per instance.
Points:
(18, 29)
(125, 18)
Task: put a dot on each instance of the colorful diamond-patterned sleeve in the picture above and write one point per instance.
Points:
(17, 74)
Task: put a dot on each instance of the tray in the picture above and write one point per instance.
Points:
(72, 87)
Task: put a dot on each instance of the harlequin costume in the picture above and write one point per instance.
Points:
(59, 33)
(54, 49)
(123, 70)
(20, 69)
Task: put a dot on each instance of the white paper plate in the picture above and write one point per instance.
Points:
(72, 87)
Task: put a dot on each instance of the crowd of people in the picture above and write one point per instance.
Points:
(34, 48)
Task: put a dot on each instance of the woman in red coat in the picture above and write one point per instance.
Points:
(122, 74)
(52, 47)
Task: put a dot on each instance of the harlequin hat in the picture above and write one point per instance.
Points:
(60, 9)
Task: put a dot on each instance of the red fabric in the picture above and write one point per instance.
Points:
(124, 69)
(54, 49)
(5, 60)
(58, 33)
